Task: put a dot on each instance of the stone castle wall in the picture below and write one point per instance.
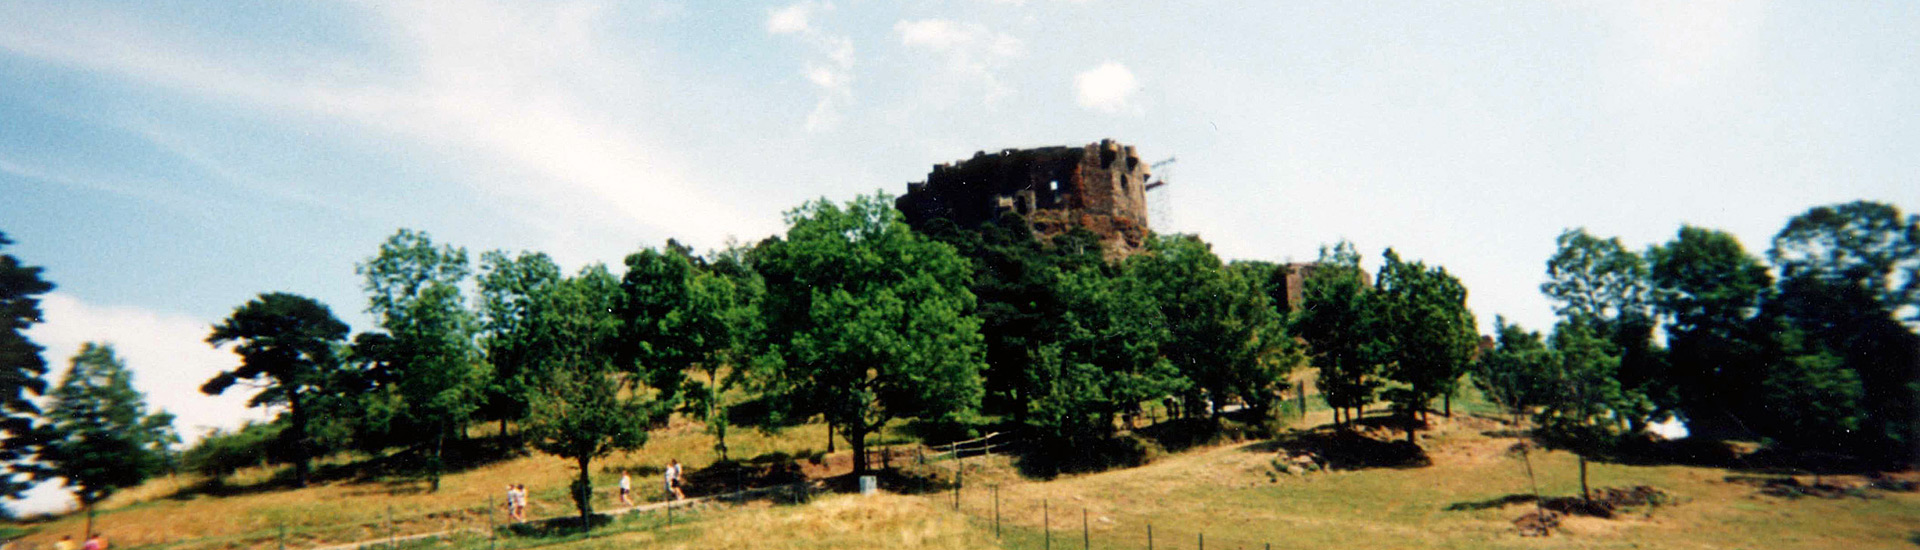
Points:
(1101, 187)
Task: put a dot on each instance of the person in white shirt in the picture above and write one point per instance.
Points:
(626, 488)
(673, 480)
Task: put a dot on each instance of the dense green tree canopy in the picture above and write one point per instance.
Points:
(508, 285)
(1226, 337)
(1425, 333)
(434, 376)
(1708, 289)
(1337, 321)
(866, 321)
(22, 371)
(100, 437)
(1104, 357)
(581, 405)
(287, 346)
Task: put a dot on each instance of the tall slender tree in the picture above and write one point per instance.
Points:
(508, 286)
(287, 347)
(100, 437)
(1337, 322)
(22, 371)
(433, 369)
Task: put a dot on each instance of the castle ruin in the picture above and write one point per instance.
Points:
(1101, 187)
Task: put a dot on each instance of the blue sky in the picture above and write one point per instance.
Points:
(167, 161)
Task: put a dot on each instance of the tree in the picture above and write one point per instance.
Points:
(1515, 374)
(1603, 284)
(286, 346)
(1336, 321)
(100, 437)
(1014, 282)
(22, 371)
(581, 405)
(1709, 290)
(1847, 272)
(678, 316)
(1104, 358)
(1862, 243)
(508, 286)
(866, 321)
(1427, 336)
(432, 365)
(1584, 411)
(1227, 339)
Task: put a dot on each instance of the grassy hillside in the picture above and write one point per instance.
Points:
(1233, 494)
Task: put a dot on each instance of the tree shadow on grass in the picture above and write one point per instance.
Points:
(1496, 502)
(1343, 449)
(400, 472)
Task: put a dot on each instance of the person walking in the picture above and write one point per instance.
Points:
(673, 480)
(520, 504)
(626, 488)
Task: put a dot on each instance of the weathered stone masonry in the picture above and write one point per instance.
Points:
(1101, 187)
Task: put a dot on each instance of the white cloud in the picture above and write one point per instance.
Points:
(1107, 88)
(831, 72)
(791, 19)
(971, 52)
(167, 353)
(169, 359)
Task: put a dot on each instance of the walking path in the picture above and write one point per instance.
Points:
(615, 512)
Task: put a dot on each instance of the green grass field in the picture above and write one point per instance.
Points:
(1232, 494)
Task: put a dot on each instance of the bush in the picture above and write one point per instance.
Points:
(221, 453)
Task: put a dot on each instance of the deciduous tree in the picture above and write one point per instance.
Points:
(1337, 321)
(866, 320)
(433, 368)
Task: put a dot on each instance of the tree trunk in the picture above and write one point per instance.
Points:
(301, 453)
(857, 437)
(433, 465)
(1448, 403)
(1585, 494)
(89, 533)
(829, 437)
(583, 493)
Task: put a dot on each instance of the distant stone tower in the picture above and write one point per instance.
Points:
(1101, 187)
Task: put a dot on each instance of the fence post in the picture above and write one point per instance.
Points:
(390, 530)
(1046, 523)
(493, 532)
(1086, 537)
(1203, 541)
(1149, 536)
(996, 510)
(283, 536)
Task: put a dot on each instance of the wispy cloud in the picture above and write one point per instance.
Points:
(831, 69)
(971, 52)
(522, 89)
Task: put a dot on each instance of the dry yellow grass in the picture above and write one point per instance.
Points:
(838, 522)
(347, 511)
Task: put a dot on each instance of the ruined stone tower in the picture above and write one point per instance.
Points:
(1101, 186)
